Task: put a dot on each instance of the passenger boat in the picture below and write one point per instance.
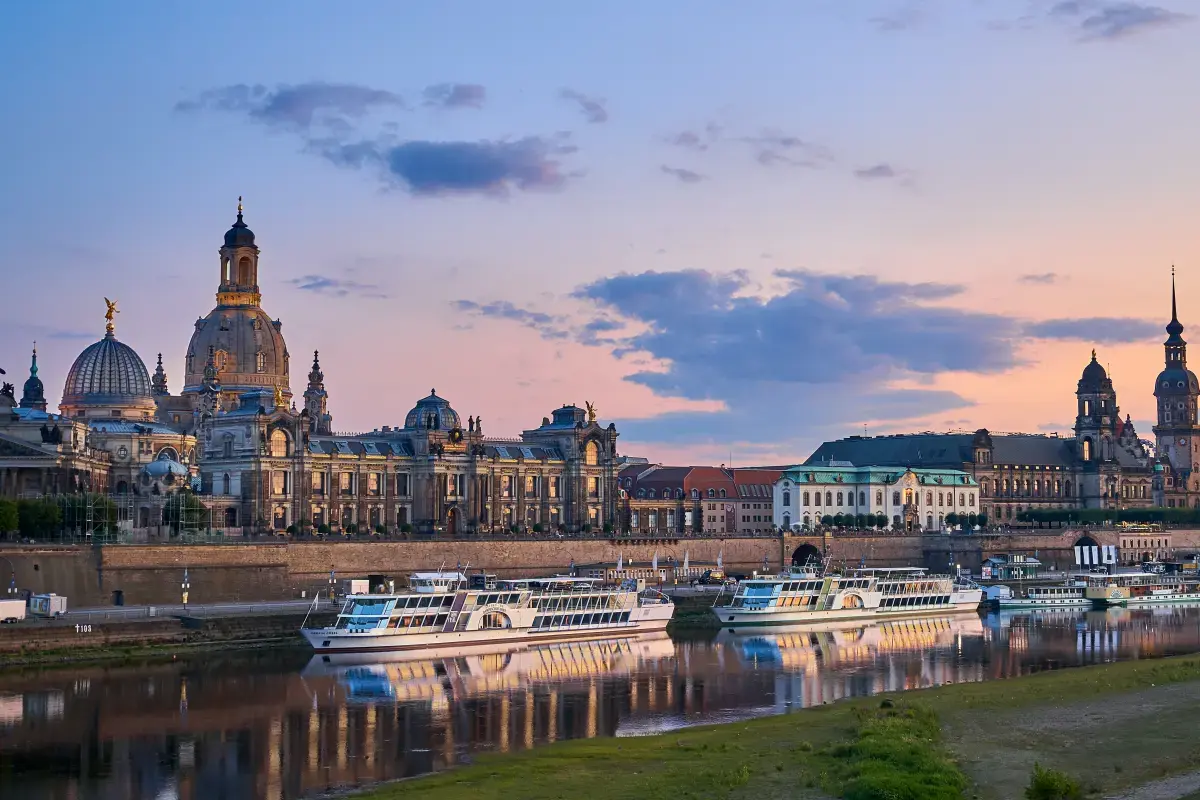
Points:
(1070, 594)
(1141, 588)
(809, 595)
(449, 609)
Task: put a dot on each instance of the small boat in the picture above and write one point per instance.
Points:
(448, 609)
(813, 594)
(1141, 588)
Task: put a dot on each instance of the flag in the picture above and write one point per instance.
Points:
(620, 561)
(685, 562)
(720, 559)
(654, 561)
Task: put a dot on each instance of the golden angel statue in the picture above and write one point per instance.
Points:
(112, 309)
(278, 397)
(591, 412)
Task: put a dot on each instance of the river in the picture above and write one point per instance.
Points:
(270, 726)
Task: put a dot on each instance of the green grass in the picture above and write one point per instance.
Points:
(952, 742)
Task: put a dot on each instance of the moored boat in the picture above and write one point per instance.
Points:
(450, 610)
(808, 596)
(1141, 588)
(1069, 594)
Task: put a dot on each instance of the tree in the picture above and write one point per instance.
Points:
(839, 519)
(185, 512)
(827, 521)
(860, 521)
(982, 520)
(952, 519)
(38, 519)
(9, 519)
(972, 520)
(881, 521)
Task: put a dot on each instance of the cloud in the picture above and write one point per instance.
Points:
(455, 95)
(298, 107)
(902, 19)
(593, 108)
(1044, 278)
(1105, 20)
(1100, 330)
(885, 171)
(684, 175)
(337, 287)
(773, 147)
(697, 140)
(548, 324)
(444, 168)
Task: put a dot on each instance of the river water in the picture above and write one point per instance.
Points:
(269, 726)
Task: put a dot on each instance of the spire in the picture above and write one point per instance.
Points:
(159, 382)
(34, 394)
(316, 399)
(1174, 328)
(316, 378)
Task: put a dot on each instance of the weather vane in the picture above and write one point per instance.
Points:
(239, 205)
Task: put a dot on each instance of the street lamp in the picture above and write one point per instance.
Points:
(185, 586)
(332, 584)
(12, 581)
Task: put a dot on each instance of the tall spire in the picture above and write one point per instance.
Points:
(159, 381)
(1174, 328)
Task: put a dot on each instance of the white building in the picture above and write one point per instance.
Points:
(908, 499)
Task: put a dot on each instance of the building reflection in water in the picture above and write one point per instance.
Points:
(270, 727)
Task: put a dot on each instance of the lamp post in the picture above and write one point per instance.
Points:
(185, 586)
(12, 581)
(332, 584)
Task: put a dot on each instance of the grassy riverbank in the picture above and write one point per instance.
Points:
(1112, 727)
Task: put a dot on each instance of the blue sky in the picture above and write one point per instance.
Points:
(736, 228)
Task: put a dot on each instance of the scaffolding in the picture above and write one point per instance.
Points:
(101, 517)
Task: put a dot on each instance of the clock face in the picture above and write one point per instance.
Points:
(123, 451)
(1183, 442)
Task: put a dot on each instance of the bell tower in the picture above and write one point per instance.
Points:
(1177, 432)
(316, 400)
(239, 266)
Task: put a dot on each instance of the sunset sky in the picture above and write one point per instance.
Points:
(739, 229)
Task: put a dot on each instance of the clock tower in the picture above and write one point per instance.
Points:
(1177, 433)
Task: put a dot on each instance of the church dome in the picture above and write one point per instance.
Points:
(433, 412)
(108, 374)
(1094, 378)
(248, 351)
(239, 235)
(1176, 381)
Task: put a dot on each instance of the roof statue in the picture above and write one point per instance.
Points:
(591, 412)
(279, 397)
(110, 313)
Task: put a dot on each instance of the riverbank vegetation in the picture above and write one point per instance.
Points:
(1100, 729)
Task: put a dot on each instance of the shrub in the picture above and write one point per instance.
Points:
(406, 528)
(380, 529)
(537, 527)
(952, 519)
(608, 527)
(351, 528)
(323, 528)
(38, 518)
(291, 530)
(8, 516)
(1050, 784)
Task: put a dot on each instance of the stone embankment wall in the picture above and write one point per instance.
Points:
(149, 574)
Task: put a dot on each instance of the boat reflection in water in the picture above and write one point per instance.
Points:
(274, 726)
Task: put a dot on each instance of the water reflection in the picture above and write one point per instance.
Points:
(269, 726)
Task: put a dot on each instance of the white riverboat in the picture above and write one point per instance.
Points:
(1069, 594)
(808, 596)
(1141, 588)
(444, 610)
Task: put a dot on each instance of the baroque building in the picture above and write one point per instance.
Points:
(658, 500)
(1177, 430)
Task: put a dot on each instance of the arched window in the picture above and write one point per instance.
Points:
(279, 444)
(941, 498)
(712, 493)
(817, 498)
(829, 498)
(227, 446)
(260, 362)
(591, 454)
(787, 499)
(1066, 488)
(839, 498)
(862, 498)
(651, 494)
(722, 493)
(226, 272)
(787, 521)
(1087, 408)
(879, 497)
(245, 271)
(805, 498)
(929, 498)
(641, 493)
(1087, 449)
(895, 498)
(695, 494)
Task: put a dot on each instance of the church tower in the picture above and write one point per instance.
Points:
(316, 400)
(1177, 433)
(248, 351)
(158, 383)
(34, 394)
(1097, 416)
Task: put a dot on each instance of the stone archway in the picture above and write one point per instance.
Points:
(452, 522)
(1085, 541)
(802, 554)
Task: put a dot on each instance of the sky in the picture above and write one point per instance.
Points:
(739, 229)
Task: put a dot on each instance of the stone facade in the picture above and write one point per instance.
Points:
(658, 500)
(43, 453)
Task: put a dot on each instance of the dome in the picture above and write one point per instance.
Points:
(1176, 381)
(239, 235)
(433, 412)
(1094, 373)
(108, 373)
(161, 467)
(248, 350)
(33, 394)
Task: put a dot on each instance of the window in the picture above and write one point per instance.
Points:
(722, 493)
(818, 498)
(787, 498)
(895, 498)
(960, 499)
(695, 494)
(972, 500)
(346, 482)
(805, 499)
(279, 444)
(593, 487)
(318, 484)
(941, 498)
(633, 519)
(879, 497)
(260, 362)
(862, 498)
(227, 446)
(374, 483)
(506, 485)
(712, 493)
(402, 484)
(279, 482)
(591, 454)
(531, 487)
(829, 498)
(554, 486)
(839, 499)
(929, 499)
